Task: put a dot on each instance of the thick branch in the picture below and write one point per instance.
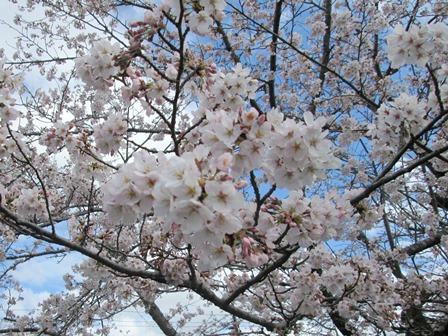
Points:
(208, 295)
(273, 58)
(27, 330)
(259, 277)
(382, 181)
(441, 202)
(38, 232)
(154, 311)
(340, 323)
(423, 245)
(325, 52)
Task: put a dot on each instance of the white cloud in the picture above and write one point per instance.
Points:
(8, 30)
(8, 35)
(30, 301)
(46, 272)
(135, 323)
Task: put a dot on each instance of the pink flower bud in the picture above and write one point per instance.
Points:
(241, 184)
(220, 15)
(227, 177)
(246, 243)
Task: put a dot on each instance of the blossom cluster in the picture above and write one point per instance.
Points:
(109, 134)
(8, 84)
(56, 136)
(291, 153)
(397, 121)
(194, 198)
(31, 203)
(305, 221)
(187, 195)
(200, 15)
(99, 65)
(196, 195)
(300, 152)
(414, 46)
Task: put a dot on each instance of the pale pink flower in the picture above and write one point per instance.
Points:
(200, 23)
(191, 215)
(223, 197)
(249, 117)
(224, 161)
(225, 223)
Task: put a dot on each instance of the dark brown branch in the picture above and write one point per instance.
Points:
(441, 202)
(27, 330)
(383, 180)
(260, 276)
(423, 245)
(38, 232)
(154, 311)
(208, 295)
(340, 323)
(161, 321)
(273, 58)
(325, 51)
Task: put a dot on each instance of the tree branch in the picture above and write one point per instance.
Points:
(154, 311)
(422, 245)
(37, 232)
(383, 180)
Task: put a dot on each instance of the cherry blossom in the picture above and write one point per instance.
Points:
(283, 162)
